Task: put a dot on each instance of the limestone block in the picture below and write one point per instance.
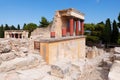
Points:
(24, 49)
(7, 66)
(117, 50)
(117, 56)
(91, 54)
(20, 63)
(2, 76)
(12, 76)
(75, 71)
(7, 56)
(4, 48)
(60, 69)
(27, 62)
(114, 73)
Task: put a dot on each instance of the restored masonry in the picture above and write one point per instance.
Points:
(72, 48)
(16, 34)
(67, 40)
(70, 20)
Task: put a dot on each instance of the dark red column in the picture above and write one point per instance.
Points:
(77, 27)
(52, 34)
(10, 35)
(63, 32)
(71, 26)
(82, 27)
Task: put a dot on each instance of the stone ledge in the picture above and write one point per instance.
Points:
(48, 40)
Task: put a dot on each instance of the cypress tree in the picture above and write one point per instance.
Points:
(1, 31)
(107, 32)
(18, 27)
(119, 20)
(6, 27)
(115, 32)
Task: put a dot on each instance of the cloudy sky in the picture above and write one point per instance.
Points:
(26, 11)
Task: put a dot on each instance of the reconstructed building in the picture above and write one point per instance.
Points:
(16, 34)
(67, 40)
(68, 22)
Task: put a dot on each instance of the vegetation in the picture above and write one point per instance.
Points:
(115, 33)
(107, 33)
(18, 27)
(30, 27)
(44, 22)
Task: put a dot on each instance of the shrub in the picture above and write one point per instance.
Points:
(93, 39)
(118, 41)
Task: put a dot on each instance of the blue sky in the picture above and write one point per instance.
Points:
(26, 11)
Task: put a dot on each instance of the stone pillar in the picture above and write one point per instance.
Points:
(14, 36)
(71, 26)
(82, 27)
(77, 27)
(18, 35)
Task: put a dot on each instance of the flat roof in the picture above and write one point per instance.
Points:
(16, 30)
(48, 40)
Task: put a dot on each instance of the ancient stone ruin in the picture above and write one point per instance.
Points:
(57, 52)
(16, 34)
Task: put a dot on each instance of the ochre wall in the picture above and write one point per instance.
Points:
(73, 49)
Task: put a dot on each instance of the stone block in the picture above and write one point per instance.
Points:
(7, 56)
(114, 73)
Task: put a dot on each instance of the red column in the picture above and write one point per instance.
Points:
(10, 35)
(82, 27)
(71, 26)
(77, 27)
(52, 34)
(63, 32)
(13, 35)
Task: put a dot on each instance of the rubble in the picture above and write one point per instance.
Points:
(20, 62)
(7, 56)
(5, 47)
(117, 50)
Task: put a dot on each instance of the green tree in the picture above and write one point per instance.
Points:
(30, 27)
(6, 27)
(119, 20)
(90, 27)
(44, 22)
(18, 27)
(24, 25)
(115, 32)
(99, 28)
(13, 27)
(1, 31)
(107, 32)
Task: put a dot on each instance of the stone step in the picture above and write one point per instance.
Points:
(30, 61)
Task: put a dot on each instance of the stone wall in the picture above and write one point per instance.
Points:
(41, 32)
(72, 49)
